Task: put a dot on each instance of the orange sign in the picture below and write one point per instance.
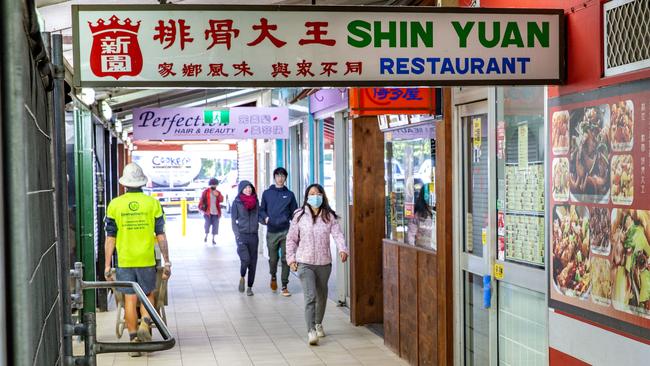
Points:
(378, 101)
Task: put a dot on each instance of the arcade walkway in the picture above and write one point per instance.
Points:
(216, 325)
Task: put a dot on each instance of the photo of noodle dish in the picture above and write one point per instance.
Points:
(622, 125)
(561, 179)
(631, 261)
(560, 132)
(601, 283)
(622, 179)
(589, 155)
(570, 250)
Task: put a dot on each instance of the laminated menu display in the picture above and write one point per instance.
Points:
(520, 169)
(600, 210)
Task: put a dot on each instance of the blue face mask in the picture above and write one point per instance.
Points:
(315, 200)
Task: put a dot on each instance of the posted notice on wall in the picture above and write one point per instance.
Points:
(600, 209)
(239, 45)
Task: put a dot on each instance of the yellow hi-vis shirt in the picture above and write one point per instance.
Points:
(135, 215)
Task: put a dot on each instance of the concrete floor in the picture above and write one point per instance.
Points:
(216, 325)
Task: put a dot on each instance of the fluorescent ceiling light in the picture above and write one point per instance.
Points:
(218, 98)
(106, 110)
(295, 107)
(87, 96)
(299, 108)
(206, 147)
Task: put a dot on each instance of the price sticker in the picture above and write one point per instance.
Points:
(498, 271)
(484, 236)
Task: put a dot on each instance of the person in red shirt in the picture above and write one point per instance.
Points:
(210, 206)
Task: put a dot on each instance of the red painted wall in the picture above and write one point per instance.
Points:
(584, 43)
(559, 358)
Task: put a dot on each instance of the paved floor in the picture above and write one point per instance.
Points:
(216, 325)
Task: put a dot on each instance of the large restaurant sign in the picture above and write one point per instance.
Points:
(203, 45)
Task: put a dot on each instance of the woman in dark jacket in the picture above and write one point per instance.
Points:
(245, 227)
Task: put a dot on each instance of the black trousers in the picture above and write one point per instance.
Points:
(247, 246)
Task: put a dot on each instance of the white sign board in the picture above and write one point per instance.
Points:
(198, 124)
(203, 45)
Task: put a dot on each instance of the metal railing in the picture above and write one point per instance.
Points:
(88, 329)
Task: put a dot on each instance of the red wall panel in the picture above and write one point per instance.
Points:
(557, 358)
(584, 28)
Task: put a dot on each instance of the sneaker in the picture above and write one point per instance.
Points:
(274, 284)
(312, 337)
(144, 331)
(249, 292)
(135, 354)
(285, 292)
(241, 284)
(319, 331)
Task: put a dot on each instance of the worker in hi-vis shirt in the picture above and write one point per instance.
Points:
(134, 222)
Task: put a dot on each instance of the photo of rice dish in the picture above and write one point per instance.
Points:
(601, 279)
(631, 261)
(561, 179)
(570, 250)
(622, 125)
(589, 155)
(599, 225)
(622, 179)
(560, 132)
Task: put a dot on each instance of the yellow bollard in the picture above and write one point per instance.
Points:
(184, 214)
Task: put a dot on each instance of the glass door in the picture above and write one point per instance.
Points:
(475, 165)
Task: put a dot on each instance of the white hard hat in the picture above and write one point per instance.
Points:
(133, 176)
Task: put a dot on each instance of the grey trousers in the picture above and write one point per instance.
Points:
(211, 221)
(314, 286)
(278, 242)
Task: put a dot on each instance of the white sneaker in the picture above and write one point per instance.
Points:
(313, 338)
(319, 331)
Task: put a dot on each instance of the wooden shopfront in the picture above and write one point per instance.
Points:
(408, 287)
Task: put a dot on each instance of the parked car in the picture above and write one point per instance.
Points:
(424, 173)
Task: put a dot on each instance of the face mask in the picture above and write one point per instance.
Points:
(315, 200)
(213, 188)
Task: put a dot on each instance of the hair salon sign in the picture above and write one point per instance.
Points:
(209, 124)
(217, 45)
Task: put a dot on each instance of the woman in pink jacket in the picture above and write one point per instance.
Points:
(308, 252)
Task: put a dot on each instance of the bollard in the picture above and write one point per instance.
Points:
(184, 214)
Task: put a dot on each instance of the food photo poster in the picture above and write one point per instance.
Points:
(599, 256)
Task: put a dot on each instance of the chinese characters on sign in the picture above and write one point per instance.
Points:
(382, 101)
(115, 50)
(281, 47)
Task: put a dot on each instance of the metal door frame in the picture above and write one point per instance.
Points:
(469, 102)
(342, 183)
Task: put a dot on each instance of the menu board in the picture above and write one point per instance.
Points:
(600, 210)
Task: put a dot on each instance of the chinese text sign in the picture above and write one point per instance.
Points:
(220, 45)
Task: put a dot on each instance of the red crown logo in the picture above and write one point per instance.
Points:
(114, 25)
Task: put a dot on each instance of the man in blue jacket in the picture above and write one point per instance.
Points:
(276, 209)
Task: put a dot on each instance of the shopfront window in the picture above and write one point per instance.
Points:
(410, 192)
(475, 183)
(520, 174)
